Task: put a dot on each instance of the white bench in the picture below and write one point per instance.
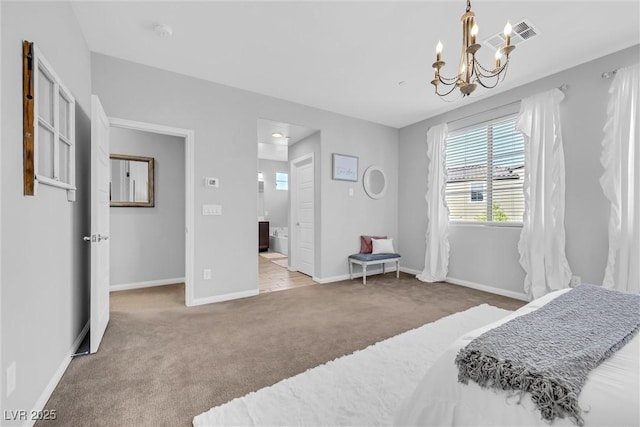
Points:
(372, 259)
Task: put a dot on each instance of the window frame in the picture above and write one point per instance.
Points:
(468, 124)
(40, 64)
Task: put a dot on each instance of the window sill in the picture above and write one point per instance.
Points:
(71, 189)
(463, 223)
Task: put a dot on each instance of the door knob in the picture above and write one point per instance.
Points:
(87, 238)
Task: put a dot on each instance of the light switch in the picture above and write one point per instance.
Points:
(212, 182)
(208, 210)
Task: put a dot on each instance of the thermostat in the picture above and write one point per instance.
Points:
(212, 182)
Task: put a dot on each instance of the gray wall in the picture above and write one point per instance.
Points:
(44, 260)
(276, 202)
(147, 244)
(225, 123)
(488, 255)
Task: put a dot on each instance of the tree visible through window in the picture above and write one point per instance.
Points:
(485, 172)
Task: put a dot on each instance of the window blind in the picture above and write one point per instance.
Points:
(485, 172)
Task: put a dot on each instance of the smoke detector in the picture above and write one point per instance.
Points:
(163, 30)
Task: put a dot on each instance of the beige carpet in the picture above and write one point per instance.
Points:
(272, 255)
(161, 363)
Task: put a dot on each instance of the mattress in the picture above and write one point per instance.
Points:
(611, 395)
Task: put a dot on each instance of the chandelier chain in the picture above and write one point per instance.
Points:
(468, 5)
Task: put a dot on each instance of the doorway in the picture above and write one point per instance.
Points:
(185, 137)
(277, 143)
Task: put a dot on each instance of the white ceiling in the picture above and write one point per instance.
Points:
(348, 57)
(273, 148)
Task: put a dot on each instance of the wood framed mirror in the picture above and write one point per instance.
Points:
(131, 181)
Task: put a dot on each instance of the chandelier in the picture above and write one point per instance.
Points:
(471, 72)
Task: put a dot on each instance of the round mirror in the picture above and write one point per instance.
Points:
(375, 182)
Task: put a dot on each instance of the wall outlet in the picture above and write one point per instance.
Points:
(11, 378)
(575, 281)
(206, 274)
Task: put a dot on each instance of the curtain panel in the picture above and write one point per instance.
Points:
(436, 262)
(621, 181)
(542, 240)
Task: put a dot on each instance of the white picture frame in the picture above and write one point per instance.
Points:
(345, 168)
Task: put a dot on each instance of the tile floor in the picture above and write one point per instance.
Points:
(273, 277)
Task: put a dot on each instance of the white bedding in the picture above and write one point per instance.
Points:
(362, 389)
(610, 397)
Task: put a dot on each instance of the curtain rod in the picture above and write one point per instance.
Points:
(564, 87)
(609, 74)
(482, 112)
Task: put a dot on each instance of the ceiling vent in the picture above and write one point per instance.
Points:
(522, 31)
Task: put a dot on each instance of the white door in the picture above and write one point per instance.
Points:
(99, 223)
(303, 215)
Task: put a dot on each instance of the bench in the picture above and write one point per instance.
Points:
(371, 259)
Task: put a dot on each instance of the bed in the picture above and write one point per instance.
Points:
(610, 396)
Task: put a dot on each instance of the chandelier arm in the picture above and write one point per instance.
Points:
(498, 71)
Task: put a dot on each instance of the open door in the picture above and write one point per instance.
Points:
(99, 223)
(302, 204)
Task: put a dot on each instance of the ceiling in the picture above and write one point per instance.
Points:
(277, 148)
(349, 57)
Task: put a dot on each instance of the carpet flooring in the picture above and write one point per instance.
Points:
(161, 363)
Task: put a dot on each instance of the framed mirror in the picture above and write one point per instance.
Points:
(131, 181)
(375, 182)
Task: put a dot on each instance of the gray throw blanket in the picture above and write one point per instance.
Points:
(550, 352)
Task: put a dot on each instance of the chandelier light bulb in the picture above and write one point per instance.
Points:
(439, 51)
(507, 29)
(498, 58)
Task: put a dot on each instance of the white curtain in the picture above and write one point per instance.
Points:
(542, 240)
(436, 261)
(621, 181)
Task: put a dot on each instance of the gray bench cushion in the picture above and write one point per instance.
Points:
(373, 257)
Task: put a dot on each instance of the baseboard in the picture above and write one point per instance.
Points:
(225, 297)
(57, 376)
(148, 284)
(410, 271)
(511, 294)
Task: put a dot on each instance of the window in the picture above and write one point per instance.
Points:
(53, 127)
(477, 188)
(485, 172)
(282, 181)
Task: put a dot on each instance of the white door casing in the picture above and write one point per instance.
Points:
(302, 204)
(99, 223)
(189, 138)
